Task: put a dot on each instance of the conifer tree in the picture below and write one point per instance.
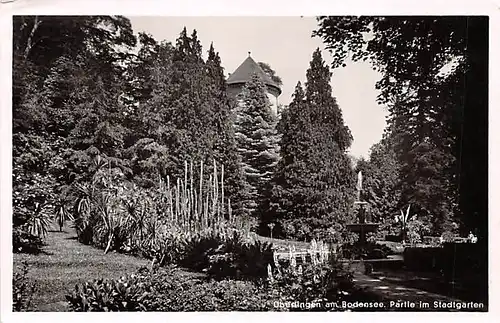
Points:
(313, 184)
(438, 118)
(184, 113)
(225, 146)
(257, 140)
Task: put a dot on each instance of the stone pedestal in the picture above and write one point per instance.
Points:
(362, 227)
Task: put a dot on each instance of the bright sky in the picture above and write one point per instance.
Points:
(286, 44)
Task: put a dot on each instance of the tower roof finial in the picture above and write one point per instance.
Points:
(249, 53)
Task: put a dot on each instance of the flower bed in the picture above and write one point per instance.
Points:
(168, 289)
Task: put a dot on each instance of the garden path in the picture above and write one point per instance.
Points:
(390, 290)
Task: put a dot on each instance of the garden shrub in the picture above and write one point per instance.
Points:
(369, 250)
(167, 289)
(423, 259)
(313, 282)
(240, 259)
(417, 229)
(130, 293)
(22, 290)
(449, 236)
(224, 295)
(107, 296)
(199, 251)
(23, 241)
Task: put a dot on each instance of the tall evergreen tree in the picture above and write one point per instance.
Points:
(428, 106)
(184, 113)
(314, 181)
(225, 137)
(257, 140)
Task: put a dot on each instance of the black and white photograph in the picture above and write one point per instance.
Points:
(308, 163)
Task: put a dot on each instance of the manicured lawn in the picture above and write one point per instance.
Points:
(67, 262)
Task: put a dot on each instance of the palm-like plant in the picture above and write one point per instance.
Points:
(404, 219)
(135, 223)
(108, 208)
(82, 211)
(39, 221)
(62, 214)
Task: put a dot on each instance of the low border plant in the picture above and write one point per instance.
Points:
(22, 290)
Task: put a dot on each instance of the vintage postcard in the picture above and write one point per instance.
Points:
(305, 163)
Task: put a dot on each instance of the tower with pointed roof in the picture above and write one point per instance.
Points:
(244, 72)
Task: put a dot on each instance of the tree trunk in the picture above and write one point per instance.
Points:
(29, 42)
(109, 243)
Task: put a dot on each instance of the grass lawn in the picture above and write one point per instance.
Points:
(66, 262)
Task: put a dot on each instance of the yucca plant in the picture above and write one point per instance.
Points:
(138, 208)
(404, 219)
(39, 220)
(253, 258)
(103, 295)
(62, 214)
(108, 208)
(82, 212)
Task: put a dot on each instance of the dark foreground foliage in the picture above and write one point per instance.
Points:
(370, 250)
(23, 241)
(172, 289)
(22, 290)
(167, 289)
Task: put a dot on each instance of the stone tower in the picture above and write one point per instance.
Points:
(243, 73)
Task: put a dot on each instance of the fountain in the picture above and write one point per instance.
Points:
(364, 224)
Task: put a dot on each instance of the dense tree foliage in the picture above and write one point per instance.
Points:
(87, 92)
(271, 73)
(80, 92)
(381, 187)
(313, 185)
(66, 100)
(434, 83)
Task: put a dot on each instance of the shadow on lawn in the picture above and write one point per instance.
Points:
(34, 252)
